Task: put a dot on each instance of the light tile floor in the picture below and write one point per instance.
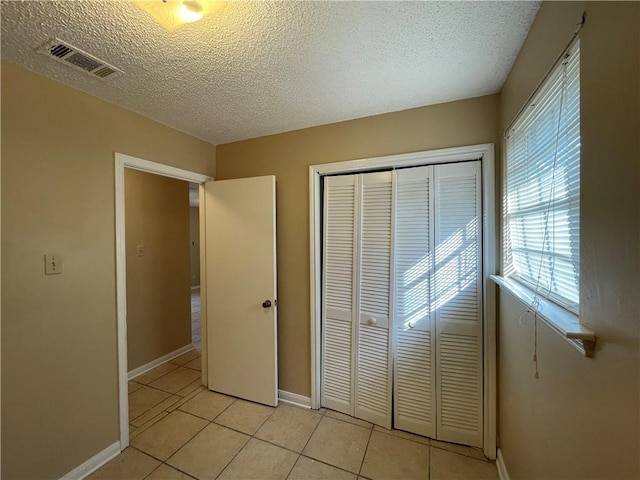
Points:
(180, 430)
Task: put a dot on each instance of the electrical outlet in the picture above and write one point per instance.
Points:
(52, 264)
(141, 250)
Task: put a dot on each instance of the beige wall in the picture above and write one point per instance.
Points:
(158, 282)
(194, 233)
(288, 156)
(580, 418)
(59, 358)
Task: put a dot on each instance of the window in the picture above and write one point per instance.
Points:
(542, 188)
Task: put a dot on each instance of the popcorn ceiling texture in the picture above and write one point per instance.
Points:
(258, 68)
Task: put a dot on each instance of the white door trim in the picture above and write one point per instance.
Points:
(123, 161)
(485, 153)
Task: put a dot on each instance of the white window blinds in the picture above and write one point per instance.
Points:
(542, 188)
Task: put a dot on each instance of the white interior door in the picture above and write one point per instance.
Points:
(356, 347)
(240, 222)
(373, 364)
(458, 302)
(415, 362)
(338, 293)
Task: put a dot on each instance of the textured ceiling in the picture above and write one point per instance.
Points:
(257, 68)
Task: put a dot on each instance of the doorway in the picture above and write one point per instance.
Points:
(157, 216)
(194, 253)
(487, 247)
(123, 162)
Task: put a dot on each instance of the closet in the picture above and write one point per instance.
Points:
(402, 299)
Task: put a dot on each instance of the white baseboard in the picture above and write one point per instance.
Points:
(294, 399)
(159, 361)
(93, 463)
(502, 468)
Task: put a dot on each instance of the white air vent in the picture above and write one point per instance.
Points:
(64, 52)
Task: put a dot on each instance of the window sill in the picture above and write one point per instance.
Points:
(565, 323)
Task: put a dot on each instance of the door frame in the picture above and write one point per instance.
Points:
(486, 154)
(123, 161)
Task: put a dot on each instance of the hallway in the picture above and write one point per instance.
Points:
(196, 332)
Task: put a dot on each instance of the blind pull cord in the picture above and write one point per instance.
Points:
(534, 306)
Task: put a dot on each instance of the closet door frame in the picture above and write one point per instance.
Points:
(486, 154)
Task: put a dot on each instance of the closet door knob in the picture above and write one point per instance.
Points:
(373, 321)
(266, 304)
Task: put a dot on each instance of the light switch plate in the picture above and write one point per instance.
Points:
(52, 264)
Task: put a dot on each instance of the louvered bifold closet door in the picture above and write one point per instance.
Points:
(339, 232)
(457, 302)
(414, 385)
(373, 365)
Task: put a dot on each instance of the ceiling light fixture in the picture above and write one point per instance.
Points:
(190, 11)
(173, 14)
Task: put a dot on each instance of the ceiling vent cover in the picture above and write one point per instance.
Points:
(66, 53)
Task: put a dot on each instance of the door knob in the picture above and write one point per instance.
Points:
(373, 321)
(266, 304)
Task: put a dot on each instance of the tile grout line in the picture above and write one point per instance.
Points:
(177, 365)
(294, 466)
(190, 438)
(149, 474)
(314, 431)
(328, 464)
(149, 409)
(252, 436)
(234, 457)
(166, 373)
(324, 415)
(302, 454)
(176, 468)
(151, 423)
(185, 443)
(180, 398)
(483, 459)
(181, 471)
(153, 388)
(169, 466)
(365, 451)
(140, 430)
(165, 391)
(388, 432)
(191, 368)
(199, 384)
(209, 422)
(280, 446)
(192, 394)
(429, 463)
